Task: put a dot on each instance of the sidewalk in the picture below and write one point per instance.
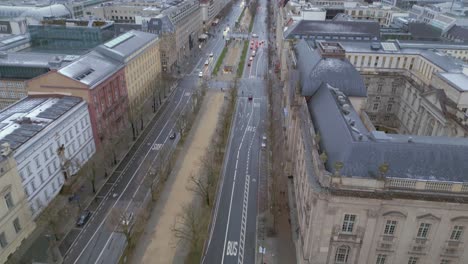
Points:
(158, 242)
(37, 247)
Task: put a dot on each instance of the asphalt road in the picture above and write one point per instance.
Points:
(232, 236)
(97, 241)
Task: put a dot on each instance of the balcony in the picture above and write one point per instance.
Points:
(452, 249)
(386, 243)
(352, 237)
(419, 246)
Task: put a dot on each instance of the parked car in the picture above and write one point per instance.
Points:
(253, 53)
(173, 135)
(207, 62)
(211, 54)
(200, 74)
(250, 97)
(251, 58)
(83, 218)
(263, 145)
(249, 63)
(254, 35)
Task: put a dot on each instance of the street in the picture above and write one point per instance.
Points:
(232, 237)
(97, 242)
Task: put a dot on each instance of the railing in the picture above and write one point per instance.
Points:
(423, 185)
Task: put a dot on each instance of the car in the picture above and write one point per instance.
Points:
(250, 97)
(173, 135)
(251, 58)
(126, 221)
(248, 64)
(207, 62)
(253, 53)
(264, 138)
(200, 74)
(263, 145)
(254, 35)
(83, 218)
(211, 54)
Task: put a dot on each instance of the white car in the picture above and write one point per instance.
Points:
(254, 35)
(211, 54)
(200, 74)
(263, 145)
(126, 221)
(264, 137)
(207, 62)
(251, 58)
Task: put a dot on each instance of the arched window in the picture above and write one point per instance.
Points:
(341, 256)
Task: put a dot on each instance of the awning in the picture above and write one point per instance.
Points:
(203, 36)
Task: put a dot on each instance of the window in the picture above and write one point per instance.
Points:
(389, 107)
(390, 227)
(375, 107)
(36, 159)
(17, 225)
(381, 258)
(348, 223)
(457, 232)
(413, 260)
(423, 230)
(341, 255)
(9, 200)
(379, 87)
(46, 155)
(3, 241)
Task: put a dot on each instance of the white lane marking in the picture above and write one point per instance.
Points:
(233, 186)
(136, 191)
(156, 146)
(128, 184)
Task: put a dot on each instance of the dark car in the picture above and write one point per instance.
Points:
(172, 136)
(83, 218)
(250, 97)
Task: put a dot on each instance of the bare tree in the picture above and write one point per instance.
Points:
(127, 222)
(200, 186)
(188, 226)
(152, 182)
(181, 124)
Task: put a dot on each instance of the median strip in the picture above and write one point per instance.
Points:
(220, 60)
(240, 68)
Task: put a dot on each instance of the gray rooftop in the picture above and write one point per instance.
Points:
(445, 62)
(315, 70)
(91, 69)
(125, 45)
(458, 32)
(337, 28)
(362, 152)
(457, 80)
(31, 59)
(429, 45)
(24, 119)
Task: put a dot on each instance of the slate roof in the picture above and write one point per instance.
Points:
(337, 28)
(423, 31)
(315, 71)
(91, 69)
(362, 152)
(23, 120)
(458, 32)
(127, 47)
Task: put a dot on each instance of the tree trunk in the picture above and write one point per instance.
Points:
(133, 130)
(94, 187)
(141, 121)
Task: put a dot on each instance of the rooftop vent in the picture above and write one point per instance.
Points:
(6, 150)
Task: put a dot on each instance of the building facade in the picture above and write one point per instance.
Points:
(16, 222)
(364, 196)
(383, 14)
(36, 128)
(100, 81)
(139, 52)
(70, 34)
(16, 68)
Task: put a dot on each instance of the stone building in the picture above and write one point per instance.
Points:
(36, 128)
(16, 222)
(360, 195)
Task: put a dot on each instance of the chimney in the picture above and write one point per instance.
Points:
(331, 50)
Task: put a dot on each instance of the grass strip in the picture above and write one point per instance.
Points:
(240, 69)
(220, 61)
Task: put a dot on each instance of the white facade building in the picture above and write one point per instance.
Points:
(38, 129)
